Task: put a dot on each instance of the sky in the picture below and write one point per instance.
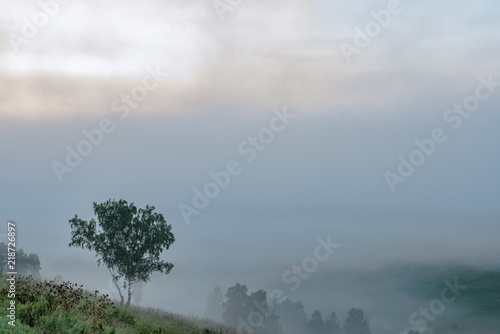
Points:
(375, 123)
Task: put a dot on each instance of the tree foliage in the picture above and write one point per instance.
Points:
(292, 316)
(25, 264)
(127, 240)
(253, 309)
(355, 323)
(237, 304)
(316, 323)
(214, 305)
(332, 325)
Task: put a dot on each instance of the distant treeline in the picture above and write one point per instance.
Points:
(24, 264)
(254, 313)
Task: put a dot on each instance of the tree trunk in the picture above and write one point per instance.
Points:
(117, 287)
(129, 294)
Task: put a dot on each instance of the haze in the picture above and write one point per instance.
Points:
(223, 81)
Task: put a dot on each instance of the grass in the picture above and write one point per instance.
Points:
(475, 310)
(481, 297)
(46, 307)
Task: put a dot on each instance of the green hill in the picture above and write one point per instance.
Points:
(46, 307)
(476, 310)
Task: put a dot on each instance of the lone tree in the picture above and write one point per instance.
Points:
(126, 240)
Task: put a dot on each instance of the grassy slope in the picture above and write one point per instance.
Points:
(78, 319)
(476, 310)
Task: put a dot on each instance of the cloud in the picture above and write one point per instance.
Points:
(264, 53)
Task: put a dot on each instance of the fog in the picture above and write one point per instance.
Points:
(342, 127)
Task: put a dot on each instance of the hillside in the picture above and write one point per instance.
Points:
(476, 308)
(401, 290)
(44, 307)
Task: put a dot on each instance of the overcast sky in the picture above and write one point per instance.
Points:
(337, 106)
